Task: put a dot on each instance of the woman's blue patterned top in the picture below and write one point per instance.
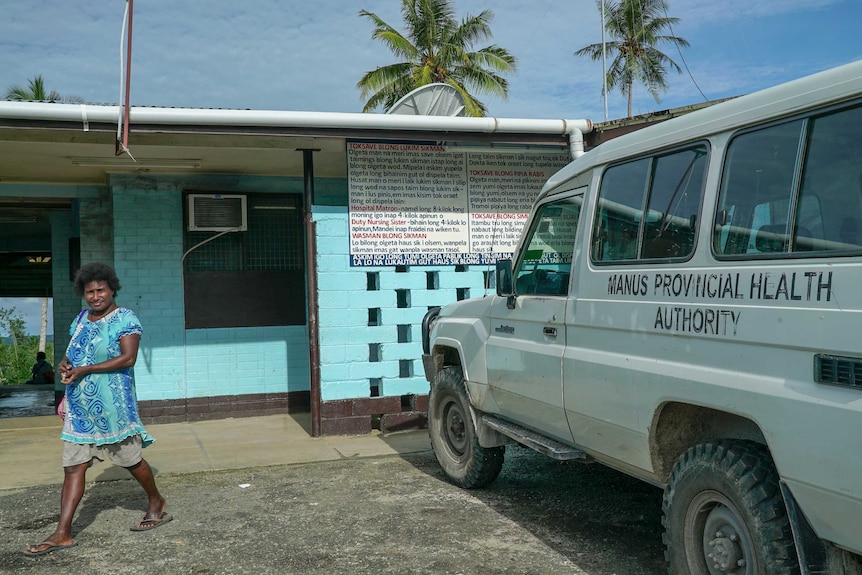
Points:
(102, 408)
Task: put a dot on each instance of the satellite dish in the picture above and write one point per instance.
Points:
(430, 100)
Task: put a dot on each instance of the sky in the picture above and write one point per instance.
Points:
(302, 55)
(30, 308)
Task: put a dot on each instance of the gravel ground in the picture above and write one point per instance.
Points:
(389, 515)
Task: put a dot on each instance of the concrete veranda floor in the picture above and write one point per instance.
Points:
(30, 447)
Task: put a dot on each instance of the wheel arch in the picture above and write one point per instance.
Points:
(449, 353)
(451, 356)
(678, 426)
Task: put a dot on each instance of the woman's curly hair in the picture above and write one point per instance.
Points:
(96, 272)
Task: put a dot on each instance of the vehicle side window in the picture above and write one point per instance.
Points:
(649, 208)
(546, 261)
(832, 181)
(754, 201)
(772, 202)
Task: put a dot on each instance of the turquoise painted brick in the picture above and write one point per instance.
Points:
(263, 333)
(212, 386)
(295, 384)
(335, 390)
(195, 392)
(332, 354)
(299, 363)
(332, 263)
(331, 227)
(371, 299)
(426, 299)
(416, 320)
(377, 334)
(152, 396)
(301, 371)
(335, 336)
(330, 246)
(333, 300)
(461, 280)
(298, 356)
(335, 372)
(365, 370)
(333, 233)
(249, 350)
(406, 386)
(323, 212)
(217, 336)
(356, 353)
(396, 316)
(342, 317)
(249, 367)
(274, 374)
(398, 351)
(267, 387)
(341, 281)
(194, 349)
(411, 280)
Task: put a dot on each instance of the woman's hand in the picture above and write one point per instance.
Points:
(63, 369)
(73, 374)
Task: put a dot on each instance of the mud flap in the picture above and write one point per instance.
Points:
(810, 548)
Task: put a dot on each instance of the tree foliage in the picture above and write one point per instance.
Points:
(17, 349)
(36, 91)
(435, 47)
(636, 28)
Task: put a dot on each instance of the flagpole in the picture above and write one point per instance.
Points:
(604, 66)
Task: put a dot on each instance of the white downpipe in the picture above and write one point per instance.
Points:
(86, 113)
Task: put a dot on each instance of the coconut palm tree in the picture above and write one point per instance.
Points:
(636, 28)
(43, 325)
(36, 91)
(435, 47)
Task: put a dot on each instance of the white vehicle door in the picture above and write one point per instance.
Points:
(527, 331)
(645, 227)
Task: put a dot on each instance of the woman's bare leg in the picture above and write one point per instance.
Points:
(143, 473)
(74, 479)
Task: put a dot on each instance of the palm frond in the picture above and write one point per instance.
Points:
(636, 28)
(36, 92)
(379, 78)
(435, 47)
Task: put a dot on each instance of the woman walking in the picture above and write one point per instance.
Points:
(101, 417)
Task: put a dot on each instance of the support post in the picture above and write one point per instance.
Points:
(311, 289)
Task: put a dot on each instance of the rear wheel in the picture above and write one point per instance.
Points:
(724, 514)
(453, 436)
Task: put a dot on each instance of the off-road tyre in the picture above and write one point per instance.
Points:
(841, 562)
(453, 435)
(723, 513)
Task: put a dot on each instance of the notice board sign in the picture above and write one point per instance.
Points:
(424, 204)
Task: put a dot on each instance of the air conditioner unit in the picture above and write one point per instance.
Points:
(217, 213)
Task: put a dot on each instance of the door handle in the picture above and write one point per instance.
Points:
(549, 331)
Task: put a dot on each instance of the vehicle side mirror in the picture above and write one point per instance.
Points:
(505, 286)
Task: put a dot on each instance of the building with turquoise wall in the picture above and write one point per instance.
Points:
(350, 351)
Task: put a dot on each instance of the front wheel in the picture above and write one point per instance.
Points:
(723, 514)
(453, 436)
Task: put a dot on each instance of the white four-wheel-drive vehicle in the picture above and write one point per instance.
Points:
(685, 306)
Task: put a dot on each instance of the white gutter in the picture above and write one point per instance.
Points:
(88, 113)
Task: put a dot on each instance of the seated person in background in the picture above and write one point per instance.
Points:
(42, 371)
